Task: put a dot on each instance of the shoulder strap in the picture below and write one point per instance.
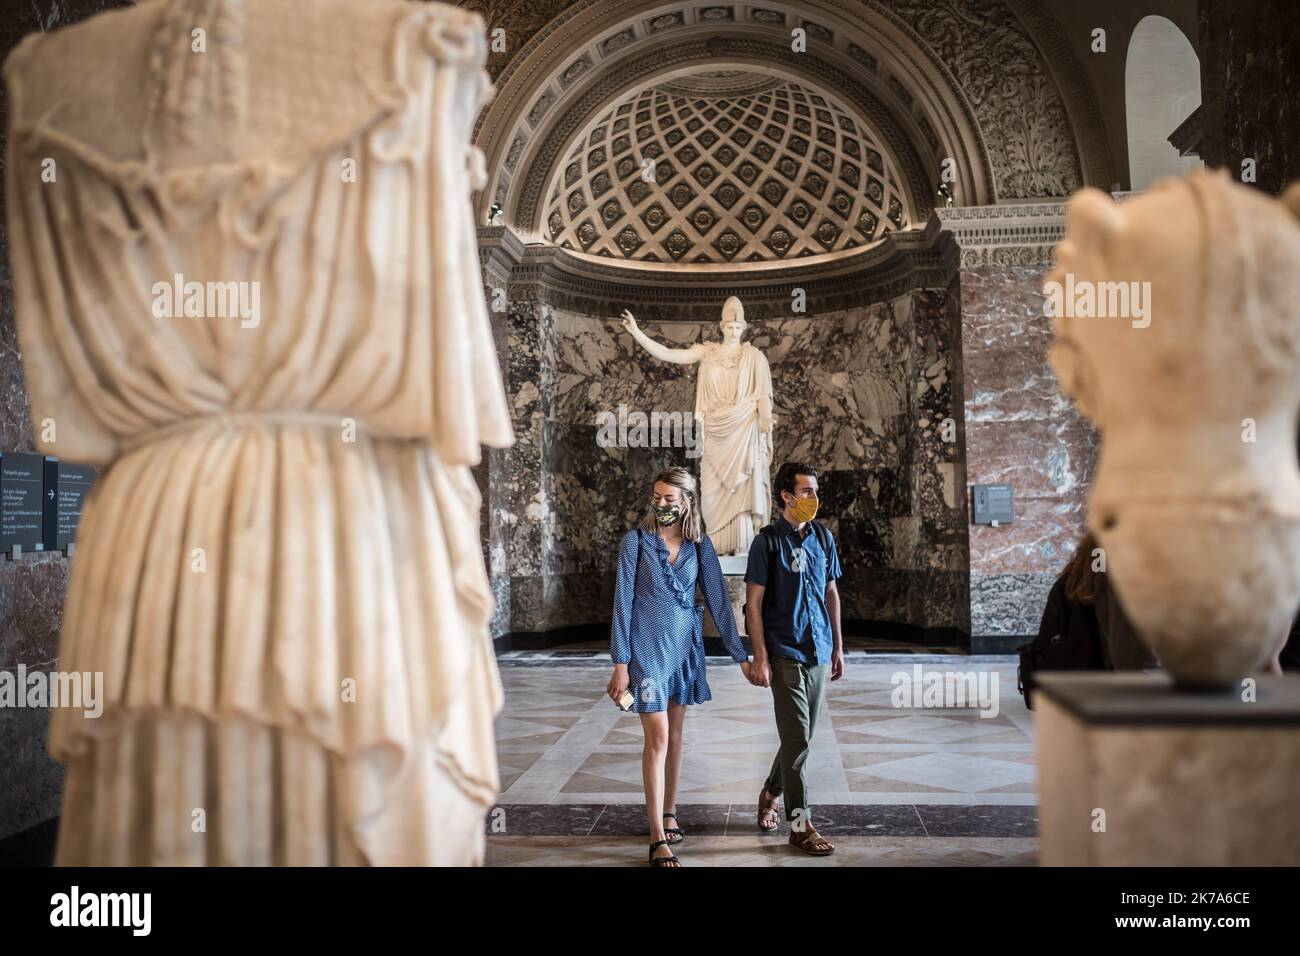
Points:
(636, 566)
(822, 535)
(769, 538)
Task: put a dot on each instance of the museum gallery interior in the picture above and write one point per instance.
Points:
(650, 432)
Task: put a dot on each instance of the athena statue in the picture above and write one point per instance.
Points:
(733, 397)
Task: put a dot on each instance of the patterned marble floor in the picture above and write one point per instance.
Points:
(760, 851)
(892, 785)
(853, 646)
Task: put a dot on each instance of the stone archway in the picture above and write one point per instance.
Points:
(1000, 123)
(1162, 87)
(591, 54)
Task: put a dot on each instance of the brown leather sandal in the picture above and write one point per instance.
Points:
(811, 842)
(768, 818)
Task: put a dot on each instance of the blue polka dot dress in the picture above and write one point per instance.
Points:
(658, 629)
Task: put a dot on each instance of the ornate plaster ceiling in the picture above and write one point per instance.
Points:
(779, 171)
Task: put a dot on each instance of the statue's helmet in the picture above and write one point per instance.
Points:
(734, 307)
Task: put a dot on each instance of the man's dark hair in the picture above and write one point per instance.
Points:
(785, 477)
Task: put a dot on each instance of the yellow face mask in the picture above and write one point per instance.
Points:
(804, 509)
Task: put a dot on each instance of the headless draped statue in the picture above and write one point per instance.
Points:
(324, 690)
(733, 396)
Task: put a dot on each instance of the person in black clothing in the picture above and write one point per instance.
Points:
(1083, 606)
(1084, 626)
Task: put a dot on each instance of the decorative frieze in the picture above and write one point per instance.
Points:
(915, 259)
(1012, 234)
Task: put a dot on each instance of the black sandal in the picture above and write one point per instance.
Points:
(676, 831)
(668, 860)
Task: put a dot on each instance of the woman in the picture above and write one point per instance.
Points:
(1084, 626)
(656, 639)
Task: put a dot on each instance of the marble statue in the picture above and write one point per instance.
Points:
(279, 572)
(1177, 332)
(733, 398)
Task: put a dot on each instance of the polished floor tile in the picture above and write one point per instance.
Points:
(891, 782)
(764, 851)
(561, 740)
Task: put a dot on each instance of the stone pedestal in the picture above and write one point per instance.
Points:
(1134, 773)
(736, 589)
(733, 564)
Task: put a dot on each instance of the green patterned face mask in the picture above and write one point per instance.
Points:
(669, 514)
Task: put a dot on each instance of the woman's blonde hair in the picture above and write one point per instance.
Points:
(683, 481)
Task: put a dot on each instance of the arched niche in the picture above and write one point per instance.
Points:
(1162, 87)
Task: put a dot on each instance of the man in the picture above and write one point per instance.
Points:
(792, 611)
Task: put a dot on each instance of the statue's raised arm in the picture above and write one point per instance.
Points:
(687, 356)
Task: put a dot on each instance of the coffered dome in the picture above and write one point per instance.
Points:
(746, 167)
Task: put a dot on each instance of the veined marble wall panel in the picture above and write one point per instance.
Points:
(1021, 430)
(849, 390)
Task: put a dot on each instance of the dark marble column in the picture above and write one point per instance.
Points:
(1250, 58)
(518, 497)
(499, 254)
(858, 381)
(940, 593)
